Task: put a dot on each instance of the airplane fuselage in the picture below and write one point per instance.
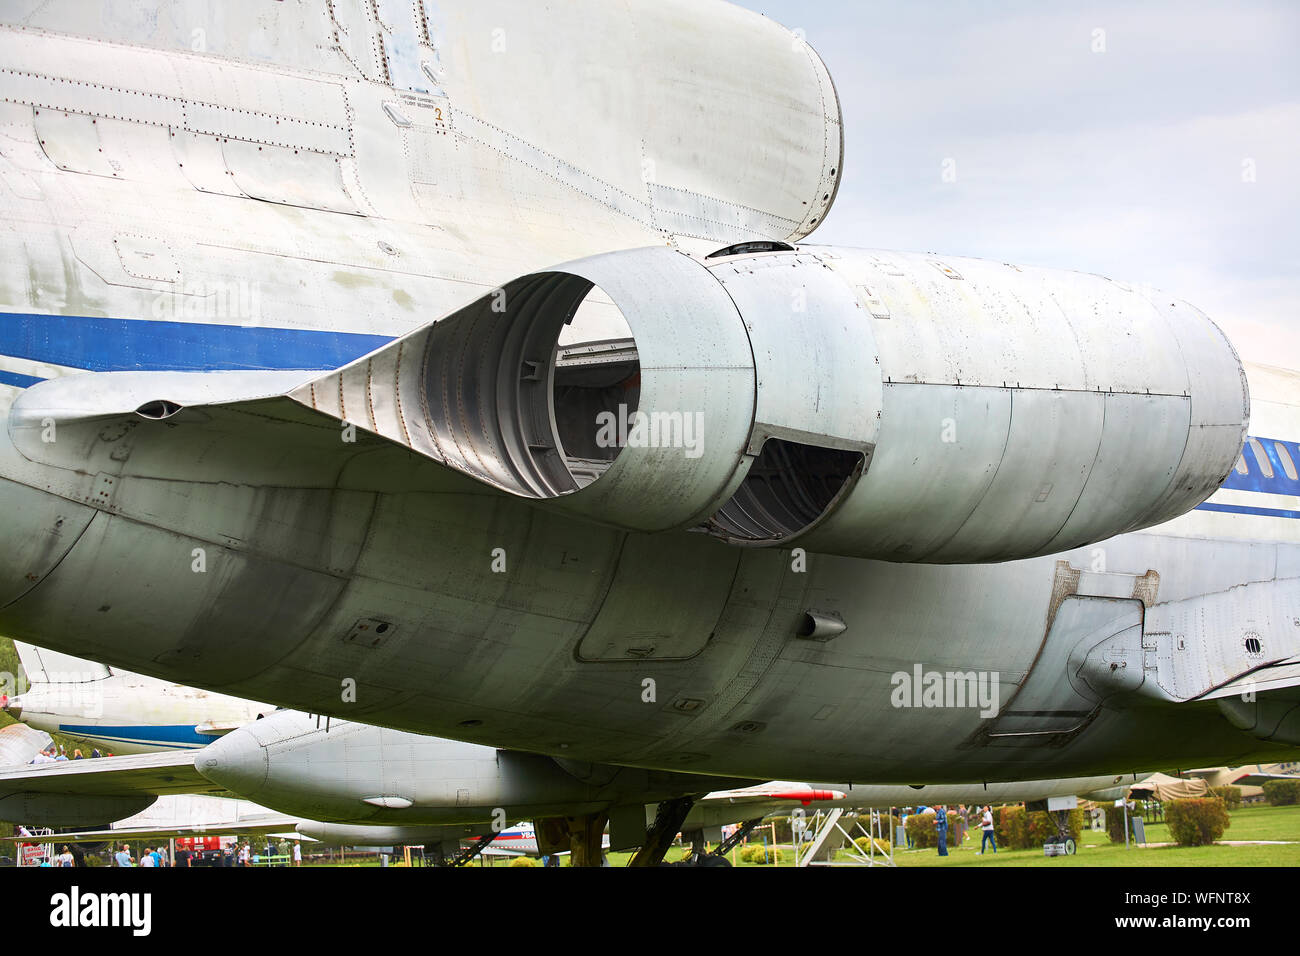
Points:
(204, 232)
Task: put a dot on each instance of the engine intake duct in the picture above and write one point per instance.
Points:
(874, 404)
(619, 388)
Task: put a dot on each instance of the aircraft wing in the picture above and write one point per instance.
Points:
(1259, 778)
(136, 774)
(272, 825)
(1277, 676)
(216, 728)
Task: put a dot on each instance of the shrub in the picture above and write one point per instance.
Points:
(888, 822)
(1230, 795)
(1282, 793)
(864, 845)
(1115, 824)
(1196, 822)
(1011, 827)
(920, 827)
(1042, 828)
(762, 855)
(754, 853)
(523, 861)
(1016, 829)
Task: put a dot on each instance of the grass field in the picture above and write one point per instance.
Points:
(1095, 849)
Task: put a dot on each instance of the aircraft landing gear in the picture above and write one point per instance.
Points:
(1064, 844)
(699, 855)
(468, 854)
(582, 836)
(737, 838)
(668, 822)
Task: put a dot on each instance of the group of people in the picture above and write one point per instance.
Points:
(150, 857)
(234, 855)
(941, 826)
(55, 753)
(65, 858)
(242, 855)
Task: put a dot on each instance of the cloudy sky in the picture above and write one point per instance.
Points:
(1152, 142)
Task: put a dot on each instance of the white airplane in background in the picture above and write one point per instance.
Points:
(20, 743)
(120, 712)
(296, 767)
(142, 715)
(348, 783)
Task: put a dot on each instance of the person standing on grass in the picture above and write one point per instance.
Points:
(941, 828)
(987, 825)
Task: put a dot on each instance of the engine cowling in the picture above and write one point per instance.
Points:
(873, 404)
(71, 809)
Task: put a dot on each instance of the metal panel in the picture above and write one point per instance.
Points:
(292, 177)
(220, 98)
(241, 597)
(818, 378)
(665, 601)
(1051, 700)
(921, 488)
(1050, 449)
(71, 141)
(1204, 641)
(1142, 442)
(200, 157)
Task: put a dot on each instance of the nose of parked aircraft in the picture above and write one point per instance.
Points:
(237, 761)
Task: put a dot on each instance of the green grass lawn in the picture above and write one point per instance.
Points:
(1095, 849)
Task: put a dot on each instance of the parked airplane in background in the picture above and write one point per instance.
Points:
(19, 744)
(1250, 779)
(121, 712)
(347, 783)
(417, 364)
(294, 770)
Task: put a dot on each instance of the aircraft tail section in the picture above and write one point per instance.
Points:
(51, 667)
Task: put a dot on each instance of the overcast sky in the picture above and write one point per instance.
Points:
(1170, 155)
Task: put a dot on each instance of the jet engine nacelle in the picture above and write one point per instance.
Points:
(346, 772)
(880, 405)
(71, 809)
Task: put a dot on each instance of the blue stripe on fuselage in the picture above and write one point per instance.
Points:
(146, 345)
(175, 735)
(18, 381)
(1248, 510)
(100, 344)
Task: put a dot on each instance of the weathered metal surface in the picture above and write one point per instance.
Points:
(1130, 408)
